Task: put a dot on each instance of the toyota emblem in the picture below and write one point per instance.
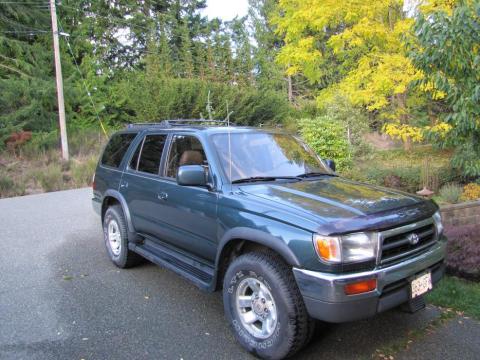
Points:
(413, 239)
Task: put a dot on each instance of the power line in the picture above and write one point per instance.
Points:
(83, 80)
(23, 3)
(33, 32)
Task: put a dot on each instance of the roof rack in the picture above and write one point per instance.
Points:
(180, 122)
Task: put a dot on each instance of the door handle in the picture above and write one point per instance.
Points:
(124, 184)
(162, 196)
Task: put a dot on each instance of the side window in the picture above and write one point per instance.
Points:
(134, 160)
(116, 149)
(151, 154)
(185, 150)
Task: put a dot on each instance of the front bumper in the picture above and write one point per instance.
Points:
(325, 297)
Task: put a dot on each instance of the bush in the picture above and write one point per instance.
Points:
(327, 138)
(50, 178)
(169, 98)
(85, 142)
(463, 251)
(82, 172)
(8, 187)
(451, 193)
(401, 178)
(471, 192)
(40, 143)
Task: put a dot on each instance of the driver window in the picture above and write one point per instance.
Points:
(185, 150)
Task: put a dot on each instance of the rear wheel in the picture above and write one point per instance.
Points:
(264, 306)
(116, 238)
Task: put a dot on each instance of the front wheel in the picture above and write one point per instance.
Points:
(264, 306)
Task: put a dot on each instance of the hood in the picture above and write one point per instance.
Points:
(335, 200)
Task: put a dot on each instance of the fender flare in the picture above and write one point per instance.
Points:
(118, 196)
(259, 237)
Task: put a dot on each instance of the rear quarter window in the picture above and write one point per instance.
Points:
(116, 149)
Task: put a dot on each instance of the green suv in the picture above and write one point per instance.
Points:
(258, 215)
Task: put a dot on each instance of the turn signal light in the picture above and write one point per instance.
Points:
(328, 248)
(361, 287)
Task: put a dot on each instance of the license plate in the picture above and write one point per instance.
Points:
(421, 285)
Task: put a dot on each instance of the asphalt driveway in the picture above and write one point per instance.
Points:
(61, 298)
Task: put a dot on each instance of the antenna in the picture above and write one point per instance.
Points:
(229, 143)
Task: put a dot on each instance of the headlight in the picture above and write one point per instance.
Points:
(437, 218)
(349, 248)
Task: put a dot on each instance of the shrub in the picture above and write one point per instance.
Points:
(451, 193)
(401, 178)
(471, 192)
(8, 187)
(170, 98)
(463, 251)
(82, 171)
(327, 138)
(50, 178)
(40, 143)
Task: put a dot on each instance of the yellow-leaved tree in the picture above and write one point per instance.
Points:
(359, 46)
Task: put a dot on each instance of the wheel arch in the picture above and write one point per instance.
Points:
(237, 241)
(112, 196)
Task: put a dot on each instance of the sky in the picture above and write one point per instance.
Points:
(226, 9)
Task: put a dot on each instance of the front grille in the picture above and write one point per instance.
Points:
(396, 243)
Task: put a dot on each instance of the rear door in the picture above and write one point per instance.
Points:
(141, 184)
(108, 173)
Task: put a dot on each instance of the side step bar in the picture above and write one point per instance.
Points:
(198, 273)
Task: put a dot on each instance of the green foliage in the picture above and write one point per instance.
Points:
(50, 177)
(169, 98)
(451, 193)
(401, 177)
(6, 183)
(457, 294)
(82, 172)
(446, 50)
(9, 187)
(327, 138)
(354, 120)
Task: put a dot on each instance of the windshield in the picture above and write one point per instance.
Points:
(259, 154)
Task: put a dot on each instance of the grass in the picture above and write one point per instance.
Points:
(37, 167)
(404, 170)
(457, 294)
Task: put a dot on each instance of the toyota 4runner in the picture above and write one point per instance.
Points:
(259, 215)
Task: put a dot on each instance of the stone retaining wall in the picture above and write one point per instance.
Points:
(467, 213)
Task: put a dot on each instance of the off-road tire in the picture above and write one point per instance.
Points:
(126, 258)
(294, 326)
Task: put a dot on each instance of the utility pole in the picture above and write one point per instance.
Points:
(58, 75)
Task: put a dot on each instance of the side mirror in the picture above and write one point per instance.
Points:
(191, 175)
(330, 164)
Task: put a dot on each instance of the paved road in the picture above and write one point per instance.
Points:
(61, 298)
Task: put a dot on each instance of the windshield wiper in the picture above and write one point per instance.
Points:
(314, 174)
(264, 178)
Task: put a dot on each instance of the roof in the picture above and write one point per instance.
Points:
(210, 126)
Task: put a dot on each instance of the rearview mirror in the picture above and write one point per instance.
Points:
(330, 164)
(191, 175)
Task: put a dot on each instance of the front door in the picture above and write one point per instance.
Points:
(190, 212)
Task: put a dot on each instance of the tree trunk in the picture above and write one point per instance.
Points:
(290, 89)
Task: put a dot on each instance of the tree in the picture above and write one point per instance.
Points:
(26, 69)
(268, 74)
(447, 52)
(352, 48)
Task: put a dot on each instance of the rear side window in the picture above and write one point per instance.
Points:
(150, 154)
(116, 149)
